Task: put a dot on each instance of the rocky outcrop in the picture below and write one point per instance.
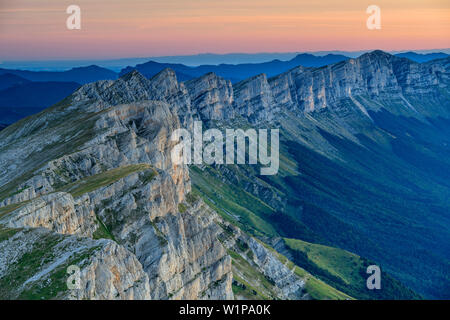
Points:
(110, 175)
(254, 100)
(285, 284)
(34, 264)
(376, 75)
(289, 283)
(57, 212)
(177, 247)
(123, 135)
(112, 273)
(211, 97)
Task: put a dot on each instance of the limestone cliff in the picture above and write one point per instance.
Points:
(98, 166)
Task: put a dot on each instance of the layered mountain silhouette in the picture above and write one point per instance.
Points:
(8, 80)
(23, 93)
(24, 100)
(23, 97)
(236, 72)
(16, 103)
(80, 75)
(422, 57)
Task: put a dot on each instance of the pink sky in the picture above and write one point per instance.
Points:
(36, 29)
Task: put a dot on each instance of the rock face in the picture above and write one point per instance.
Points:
(375, 75)
(57, 212)
(254, 99)
(112, 273)
(286, 284)
(178, 252)
(34, 263)
(211, 97)
(290, 284)
(107, 172)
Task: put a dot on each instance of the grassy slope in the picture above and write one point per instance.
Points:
(255, 217)
(233, 203)
(345, 271)
(103, 179)
(387, 191)
(249, 213)
(380, 195)
(250, 283)
(338, 262)
(314, 287)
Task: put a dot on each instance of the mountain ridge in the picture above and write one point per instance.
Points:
(236, 72)
(79, 74)
(327, 115)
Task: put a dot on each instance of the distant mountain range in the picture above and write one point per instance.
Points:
(422, 57)
(233, 72)
(80, 75)
(237, 72)
(192, 60)
(20, 95)
(24, 92)
(9, 80)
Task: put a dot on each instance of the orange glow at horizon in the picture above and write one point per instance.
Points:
(36, 29)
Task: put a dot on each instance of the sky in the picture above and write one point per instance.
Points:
(36, 29)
